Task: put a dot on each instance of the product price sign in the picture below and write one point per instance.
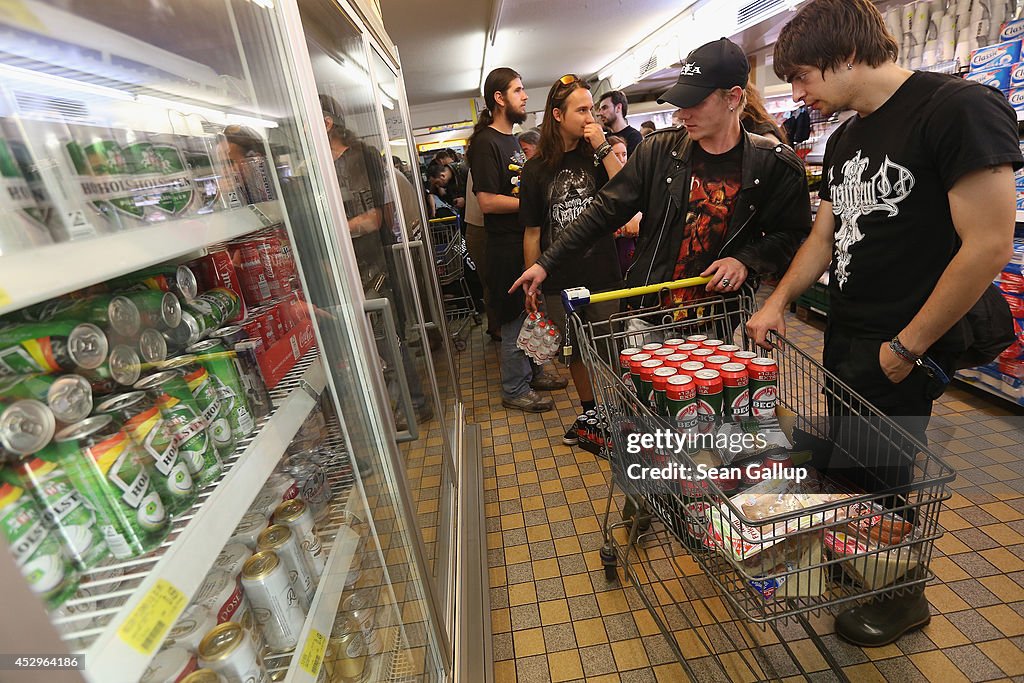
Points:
(146, 626)
(313, 653)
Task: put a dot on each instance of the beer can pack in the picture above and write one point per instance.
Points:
(228, 651)
(276, 603)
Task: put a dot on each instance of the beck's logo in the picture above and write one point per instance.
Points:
(690, 69)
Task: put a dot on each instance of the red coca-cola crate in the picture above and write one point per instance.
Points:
(277, 360)
(252, 276)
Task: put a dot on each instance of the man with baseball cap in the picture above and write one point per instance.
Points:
(716, 201)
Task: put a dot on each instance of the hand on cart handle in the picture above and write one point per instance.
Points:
(770, 318)
(530, 281)
(727, 275)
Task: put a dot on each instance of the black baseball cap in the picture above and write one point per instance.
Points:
(716, 65)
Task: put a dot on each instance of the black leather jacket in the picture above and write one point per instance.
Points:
(771, 218)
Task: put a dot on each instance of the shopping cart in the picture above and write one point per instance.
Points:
(449, 261)
(729, 584)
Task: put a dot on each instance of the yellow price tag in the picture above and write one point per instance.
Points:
(15, 12)
(313, 652)
(146, 626)
(5, 298)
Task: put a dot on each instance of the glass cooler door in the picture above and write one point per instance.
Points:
(198, 459)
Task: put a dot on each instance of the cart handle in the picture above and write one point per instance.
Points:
(442, 220)
(578, 297)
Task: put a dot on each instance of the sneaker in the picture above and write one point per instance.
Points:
(548, 381)
(530, 402)
(571, 438)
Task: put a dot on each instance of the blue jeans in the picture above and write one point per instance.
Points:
(517, 369)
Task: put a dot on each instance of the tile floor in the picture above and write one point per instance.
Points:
(555, 617)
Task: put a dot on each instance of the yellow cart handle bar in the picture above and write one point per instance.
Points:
(577, 297)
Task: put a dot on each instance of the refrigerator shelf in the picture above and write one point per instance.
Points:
(28, 277)
(92, 621)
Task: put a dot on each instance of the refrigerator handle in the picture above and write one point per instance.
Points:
(383, 305)
(418, 244)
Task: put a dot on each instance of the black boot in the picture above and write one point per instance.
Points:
(884, 621)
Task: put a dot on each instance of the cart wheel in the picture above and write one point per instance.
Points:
(460, 345)
(477, 319)
(610, 563)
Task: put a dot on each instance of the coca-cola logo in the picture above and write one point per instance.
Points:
(306, 335)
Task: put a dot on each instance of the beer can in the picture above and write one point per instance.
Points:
(716, 362)
(651, 348)
(282, 487)
(111, 311)
(358, 606)
(231, 558)
(744, 357)
(156, 309)
(36, 550)
(218, 270)
(228, 301)
(170, 665)
(764, 386)
(696, 339)
(778, 464)
(180, 409)
(228, 651)
(734, 385)
(26, 426)
(105, 466)
(660, 382)
(205, 392)
(155, 438)
(47, 347)
(251, 275)
(255, 174)
(276, 603)
(634, 370)
(753, 472)
(674, 343)
(249, 529)
(676, 360)
(230, 335)
(709, 399)
(681, 401)
(208, 313)
(219, 362)
(122, 368)
(346, 649)
(314, 488)
(712, 344)
(188, 631)
(646, 388)
(663, 353)
(189, 331)
(222, 594)
(123, 407)
(255, 388)
(690, 367)
(701, 354)
(69, 397)
(280, 539)
(296, 515)
(63, 509)
(687, 348)
(179, 280)
(725, 479)
(152, 345)
(728, 350)
(203, 676)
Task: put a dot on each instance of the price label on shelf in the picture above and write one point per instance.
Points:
(313, 653)
(5, 298)
(149, 622)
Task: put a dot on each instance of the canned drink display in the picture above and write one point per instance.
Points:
(109, 472)
(170, 665)
(36, 550)
(251, 377)
(63, 509)
(296, 515)
(152, 434)
(314, 488)
(218, 361)
(218, 270)
(26, 426)
(248, 530)
(280, 540)
(180, 280)
(188, 631)
(180, 409)
(152, 345)
(645, 391)
(736, 394)
(346, 650)
(69, 397)
(275, 600)
(251, 275)
(709, 399)
(204, 676)
(59, 345)
(228, 651)
(660, 382)
(764, 386)
(222, 594)
(232, 557)
(681, 401)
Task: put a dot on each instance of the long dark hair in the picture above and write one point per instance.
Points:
(497, 81)
(549, 150)
(755, 111)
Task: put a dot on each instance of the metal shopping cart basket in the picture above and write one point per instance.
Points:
(449, 261)
(731, 578)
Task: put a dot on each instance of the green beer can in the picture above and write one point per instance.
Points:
(109, 471)
(110, 311)
(37, 552)
(156, 308)
(181, 410)
(47, 347)
(69, 397)
(215, 412)
(63, 508)
(26, 426)
(218, 361)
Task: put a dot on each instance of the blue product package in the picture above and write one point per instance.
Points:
(997, 78)
(1016, 99)
(1017, 75)
(1012, 30)
(993, 56)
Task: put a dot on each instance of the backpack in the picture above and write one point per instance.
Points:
(987, 329)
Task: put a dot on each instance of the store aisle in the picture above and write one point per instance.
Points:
(556, 618)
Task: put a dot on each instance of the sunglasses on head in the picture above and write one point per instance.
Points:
(569, 79)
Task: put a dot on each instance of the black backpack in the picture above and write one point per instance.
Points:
(987, 329)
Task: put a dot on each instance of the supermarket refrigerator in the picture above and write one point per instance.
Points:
(232, 439)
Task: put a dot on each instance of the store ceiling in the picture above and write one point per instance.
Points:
(442, 44)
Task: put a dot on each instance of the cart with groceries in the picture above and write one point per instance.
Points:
(759, 492)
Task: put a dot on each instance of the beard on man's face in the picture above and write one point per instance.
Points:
(517, 117)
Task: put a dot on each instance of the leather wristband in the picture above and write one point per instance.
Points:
(602, 152)
(897, 347)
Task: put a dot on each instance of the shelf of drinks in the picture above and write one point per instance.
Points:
(156, 587)
(28, 277)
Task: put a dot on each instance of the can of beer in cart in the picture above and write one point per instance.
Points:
(109, 472)
(736, 394)
(701, 354)
(660, 381)
(228, 651)
(674, 343)
(764, 386)
(681, 402)
(276, 603)
(744, 357)
(156, 308)
(634, 370)
(663, 353)
(219, 363)
(36, 550)
(646, 392)
(63, 509)
(728, 350)
(712, 344)
(152, 346)
(47, 347)
(697, 339)
(279, 539)
(710, 401)
(26, 426)
(690, 367)
(652, 347)
(676, 360)
(188, 631)
(296, 515)
(170, 665)
(222, 594)
(69, 397)
(687, 348)
(249, 529)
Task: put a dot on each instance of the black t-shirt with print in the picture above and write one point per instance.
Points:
(552, 199)
(490, 155)
(887, 176)
(631, 135)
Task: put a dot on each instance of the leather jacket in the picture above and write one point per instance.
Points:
(772, 214)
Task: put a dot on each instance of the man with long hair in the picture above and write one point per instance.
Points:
(495, 160)
(916, 219)
(573, 162)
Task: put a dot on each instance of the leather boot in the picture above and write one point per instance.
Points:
(882, 622)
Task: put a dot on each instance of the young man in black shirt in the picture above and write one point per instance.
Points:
(612, 112)
(916, 218)
(573, 162)
(496, 160)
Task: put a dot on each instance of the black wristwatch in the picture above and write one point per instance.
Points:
(601, 152)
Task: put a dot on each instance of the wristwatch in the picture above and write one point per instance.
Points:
(602, 152)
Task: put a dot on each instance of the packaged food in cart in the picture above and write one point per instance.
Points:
(794, 573)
